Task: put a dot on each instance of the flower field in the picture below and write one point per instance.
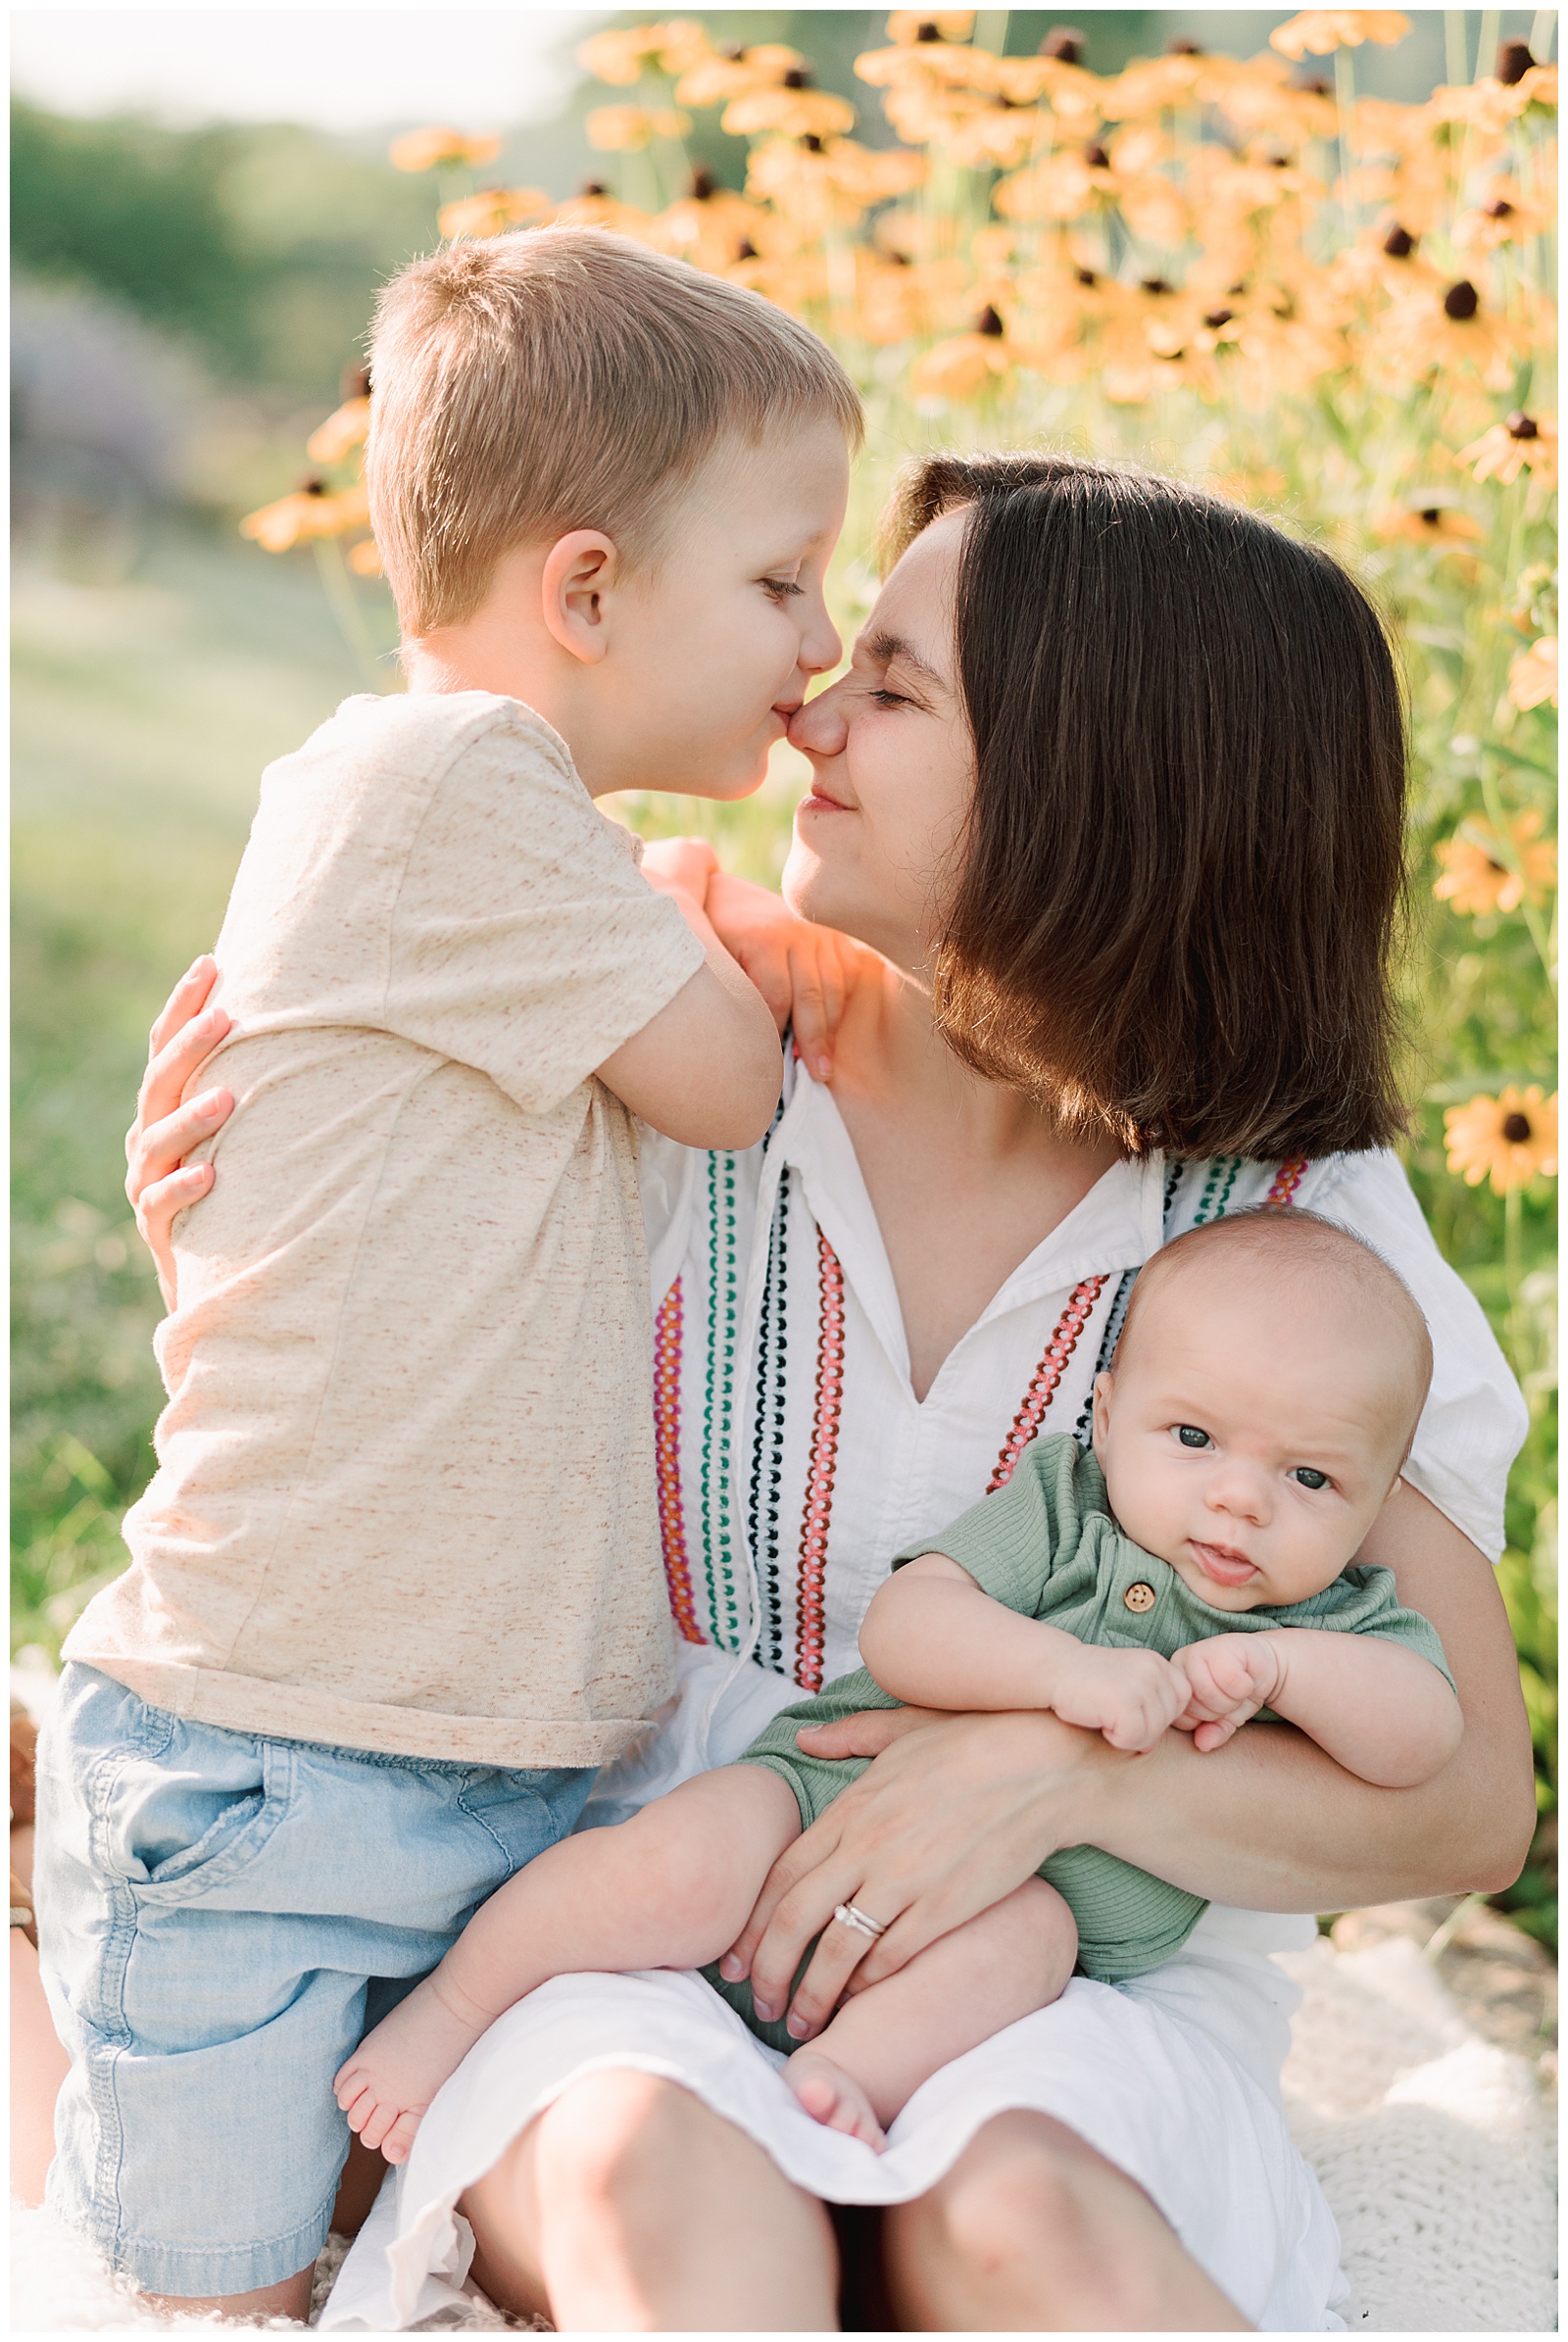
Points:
(1334, 309)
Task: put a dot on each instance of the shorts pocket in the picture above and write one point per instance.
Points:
(176, 1826)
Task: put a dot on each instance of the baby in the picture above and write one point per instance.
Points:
(1197, 1571)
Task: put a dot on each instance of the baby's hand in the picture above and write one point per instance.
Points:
(389, 2081)
(1230, 1676)
(1131, 1696)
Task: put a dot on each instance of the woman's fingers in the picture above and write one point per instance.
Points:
(817, 998)
(184, 1001)
(168, 1070)
(159, 1147)
(865, 1734)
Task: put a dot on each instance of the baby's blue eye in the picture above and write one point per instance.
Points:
(1309, 1477)
(1191, 1437)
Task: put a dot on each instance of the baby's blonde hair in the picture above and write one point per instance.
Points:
(1289, 1241)
(529, 384)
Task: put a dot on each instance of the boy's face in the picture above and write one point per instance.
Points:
(712, 647)
(1247, 1434)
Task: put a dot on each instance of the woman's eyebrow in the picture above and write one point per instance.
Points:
(884, 648)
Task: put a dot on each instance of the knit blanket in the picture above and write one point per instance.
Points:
(1434, 2146)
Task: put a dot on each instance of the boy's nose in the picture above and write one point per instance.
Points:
(1240, 1493)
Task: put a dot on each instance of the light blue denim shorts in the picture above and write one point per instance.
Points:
(220, 1915)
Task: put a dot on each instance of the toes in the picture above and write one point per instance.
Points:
(819, 2097)
(400, 2138)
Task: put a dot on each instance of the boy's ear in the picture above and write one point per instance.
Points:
(1105, 1386)
(578, 572)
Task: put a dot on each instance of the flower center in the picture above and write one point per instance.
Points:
(1516, 1129)
(1461, 301)
(1522, 427)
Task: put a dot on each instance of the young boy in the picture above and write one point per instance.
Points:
(1196, 1571)
(395, 1590)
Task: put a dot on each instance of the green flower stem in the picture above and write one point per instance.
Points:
(346, 610)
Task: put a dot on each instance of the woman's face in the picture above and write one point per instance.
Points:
(875, 841)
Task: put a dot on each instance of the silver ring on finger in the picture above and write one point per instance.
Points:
(859, 1921)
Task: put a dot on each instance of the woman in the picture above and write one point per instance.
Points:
(1111, 798)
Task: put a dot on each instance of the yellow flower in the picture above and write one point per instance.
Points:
(343, 430)
(491, 212)
(626, 130)
(1533, 675)
(1440, 524)
(1476, 881)
(1513, 1136)
(794, 107)
(960, 368)
(1504, 218)
(714, 79)
(365, 559)
(1321, 29)
(313, 511)
(1448, 328)
(908, 26)
(430, 150)
(618, 57)
(1521, 443)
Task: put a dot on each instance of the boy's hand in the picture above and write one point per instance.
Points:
(1229, 1678)
(1131, 1696)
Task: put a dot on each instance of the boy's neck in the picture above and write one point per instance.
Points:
(467, 658)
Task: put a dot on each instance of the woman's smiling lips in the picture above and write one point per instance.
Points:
(818, 800)
(1224, 1564)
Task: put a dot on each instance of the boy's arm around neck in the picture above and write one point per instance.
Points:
(706, 1070)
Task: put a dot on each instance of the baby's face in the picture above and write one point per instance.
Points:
(712, 647)
(1247, 1436)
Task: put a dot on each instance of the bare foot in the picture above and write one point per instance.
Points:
(833, 2098)
(387, 2084)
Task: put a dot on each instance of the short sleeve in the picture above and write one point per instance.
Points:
(1017, 1539)
(1474, 1419)
(524, 941)
(1365, 1600)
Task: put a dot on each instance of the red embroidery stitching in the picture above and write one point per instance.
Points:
(809, 1631)
(1287, 1180)
(667, 1452)
(1043, 1384)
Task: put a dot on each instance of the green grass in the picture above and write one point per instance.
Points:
(143, 714)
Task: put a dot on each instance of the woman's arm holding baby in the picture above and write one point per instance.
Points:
(1378, 1708)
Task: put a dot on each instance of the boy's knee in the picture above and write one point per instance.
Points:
(1034, 1928)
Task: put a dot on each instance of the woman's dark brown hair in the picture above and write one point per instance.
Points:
(1183, 865)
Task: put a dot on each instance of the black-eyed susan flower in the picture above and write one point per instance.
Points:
(627, 129)
(442, 149)
(311, 511)
(1437, 523)
(1511, 1139)
(343, 431)
(1482, 876)
(492, 212)
(793, 108)
(1533, 675)
(1321, 30)
(1520, 442)
(618, 57)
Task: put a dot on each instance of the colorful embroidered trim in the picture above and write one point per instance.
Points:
(1043, 1382)
(1210, 1207)
(1287, 1180)
(718, 1393)
(767, 1437)
(808, 1615)
(666, 1455)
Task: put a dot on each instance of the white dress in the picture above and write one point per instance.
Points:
(794, 1462)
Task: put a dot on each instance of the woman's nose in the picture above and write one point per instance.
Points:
(817, 727)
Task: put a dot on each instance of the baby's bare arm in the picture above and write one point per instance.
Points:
(933, 1639)
(671, 1889)
(1375, 1707)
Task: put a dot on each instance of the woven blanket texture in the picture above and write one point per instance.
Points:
(1434, 2146)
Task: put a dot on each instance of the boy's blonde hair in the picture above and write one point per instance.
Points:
(529, 384)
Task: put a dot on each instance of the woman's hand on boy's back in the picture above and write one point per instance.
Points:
(158, 1182)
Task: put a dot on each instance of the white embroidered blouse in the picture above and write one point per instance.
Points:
(794, 1459)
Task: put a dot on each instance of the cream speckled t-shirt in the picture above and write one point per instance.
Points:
(406, 1498)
